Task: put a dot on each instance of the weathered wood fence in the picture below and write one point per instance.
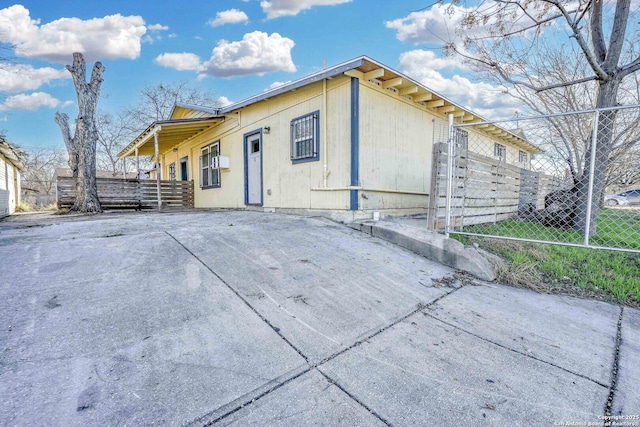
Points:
(115, 193)
(485, 189)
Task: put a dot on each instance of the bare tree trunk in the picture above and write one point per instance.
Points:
(607, 97)
(82, 147)
(62, 119)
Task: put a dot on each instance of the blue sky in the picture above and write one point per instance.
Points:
(235, 48)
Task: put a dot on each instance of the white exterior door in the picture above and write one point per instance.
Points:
(254, 169)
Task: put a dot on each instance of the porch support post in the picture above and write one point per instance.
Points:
(124, 168)
(137, 163)
(158, 171)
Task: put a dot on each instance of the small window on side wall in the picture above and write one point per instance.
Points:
(305, 136)
(500, 151)
(522, 157)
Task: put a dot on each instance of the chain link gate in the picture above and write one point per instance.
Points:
(570, 179)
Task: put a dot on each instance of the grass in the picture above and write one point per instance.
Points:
(596, 273)
(23, 206)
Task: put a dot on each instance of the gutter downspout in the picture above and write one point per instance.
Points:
(158, 170)
(325, 149)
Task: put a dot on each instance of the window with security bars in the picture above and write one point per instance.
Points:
(209, 166)
(500, 151)
(305, 138)
(172, 171)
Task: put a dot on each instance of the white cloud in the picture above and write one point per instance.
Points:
(438, 24)
(4, 118)
(18, 78)
(114, 36)
(483, 98)
(434, 25)
(231, 16)
(172, 35)
(428, 58)
(30, 102)
(278, 8)
(276, 84)
(257, 53)
(180, 61)
(157, 27)
(223, 101)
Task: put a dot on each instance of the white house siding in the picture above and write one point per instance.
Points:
(4, 188)
(9, 184)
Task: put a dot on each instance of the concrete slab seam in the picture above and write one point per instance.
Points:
(244, 300)
(201, 421)
(238, 407)
(355, 399)
(420, 308)
(248, 402)
(518, 351)
(614, 370)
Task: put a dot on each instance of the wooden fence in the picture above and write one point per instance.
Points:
(117, 193)
(485, 189)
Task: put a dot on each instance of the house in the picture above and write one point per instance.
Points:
(11, 165)
(343, 142)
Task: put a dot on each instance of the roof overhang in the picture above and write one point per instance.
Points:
(12, 156)
(171, 133)
(367, 69)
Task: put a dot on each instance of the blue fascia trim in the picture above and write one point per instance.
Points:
(355, 142)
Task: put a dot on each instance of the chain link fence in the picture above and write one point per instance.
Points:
(571, 179)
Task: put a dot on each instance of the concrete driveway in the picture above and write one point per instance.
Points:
(244, 318)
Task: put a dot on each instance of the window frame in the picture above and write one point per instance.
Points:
(209, 167)
(500, 151)
(315, 138)
(172, 171)
(523, 157)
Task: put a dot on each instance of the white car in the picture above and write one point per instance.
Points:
(631, 197)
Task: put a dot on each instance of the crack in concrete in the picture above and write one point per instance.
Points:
(355, 399)
(311, 366)
(614, 371)
(518, 351)
(244, 300)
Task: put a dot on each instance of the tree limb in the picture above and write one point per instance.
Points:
(599, 47)
(630, 68)
(618, 30)
(589, 55)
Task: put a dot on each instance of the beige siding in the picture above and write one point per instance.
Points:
(396, 138)
(290, 184)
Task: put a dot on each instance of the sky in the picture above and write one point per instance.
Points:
(234, 48)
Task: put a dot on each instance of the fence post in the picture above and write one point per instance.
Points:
(450, 152)
(594, 148)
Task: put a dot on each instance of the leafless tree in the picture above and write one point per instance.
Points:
(156, 102)
(41, 164)
(567, 138)
(82, 146)
(112, 137)
(506, 38)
